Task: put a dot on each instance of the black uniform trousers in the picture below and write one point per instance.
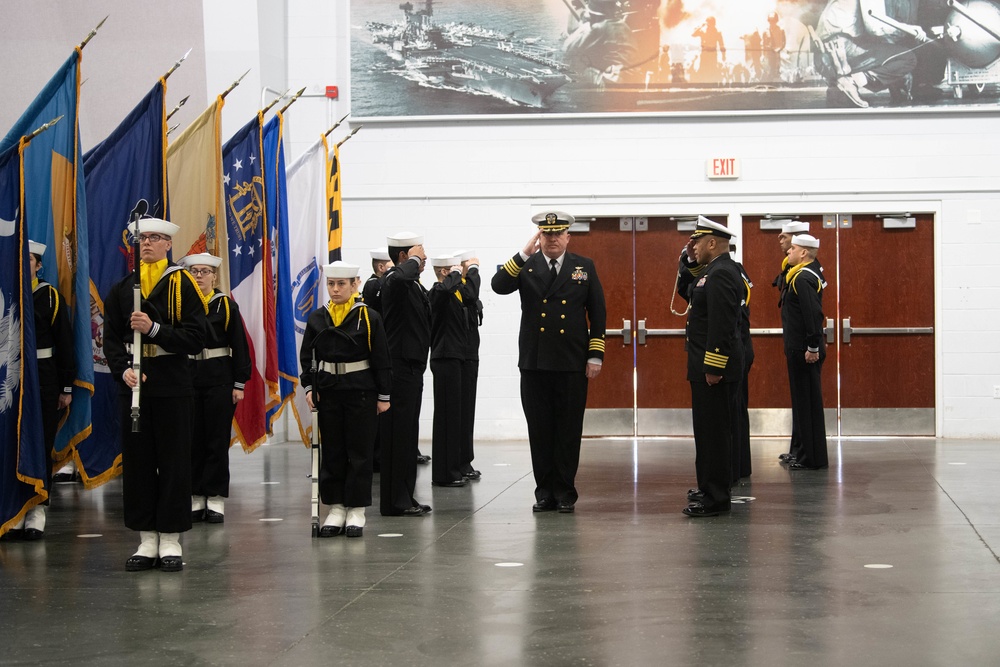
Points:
(51, 414)
(470, 382)
(446, 447)
(554, 403)
(399, 429)
(741, 429)
(805, 382)
(712, 408)
(347, 422)
(156, 464)
(212, 424)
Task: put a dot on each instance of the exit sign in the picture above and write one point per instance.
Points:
(722, 167)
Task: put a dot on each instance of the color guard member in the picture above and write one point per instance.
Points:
(471, 284)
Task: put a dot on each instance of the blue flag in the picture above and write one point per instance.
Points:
(22, 446)
(56, 214)
(123, 170)
(277, 215)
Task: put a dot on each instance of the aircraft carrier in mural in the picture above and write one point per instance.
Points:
(470, 58)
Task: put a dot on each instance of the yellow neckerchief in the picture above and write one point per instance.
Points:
(794, 271)
(149, 275)
(338, 311)
(784, 264)
(34, 284)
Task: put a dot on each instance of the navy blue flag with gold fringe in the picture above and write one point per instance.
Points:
(22, 447)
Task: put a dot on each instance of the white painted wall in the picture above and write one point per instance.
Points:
(475, 184)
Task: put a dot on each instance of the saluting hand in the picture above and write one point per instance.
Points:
(534, 244)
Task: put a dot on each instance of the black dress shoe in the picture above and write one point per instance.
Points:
(453, 484)
(416, 510)
(423, 459)
(566, 507)
(472, 475)
(796, 465)
(171, 564)
(211, 516)
(139, 563)
(197, 516)
(32, 534)
(696, 495)
(786, 457)
(12, 535)
(546, 505)
(700, 510)
(330, 531)
(425, 508)
(354, 531)
(62, 477)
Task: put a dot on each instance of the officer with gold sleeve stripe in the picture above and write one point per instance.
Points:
(561, 348)
(715, 364)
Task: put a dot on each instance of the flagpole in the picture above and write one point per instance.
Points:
(275, 101)
(292, 101)
(353, 132)
(337, 124)
(172, 128)
(177, 108)
(233, 85)
(177, 64)
(92, 33)
(44, 127)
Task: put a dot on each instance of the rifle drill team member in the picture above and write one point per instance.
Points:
(406, 313)
(350, 388)
(715, 366)
(156, 461)
(561, 348)
(805, 350)
(449, 341)
(56, 370)
(220, 372)
(471, 284)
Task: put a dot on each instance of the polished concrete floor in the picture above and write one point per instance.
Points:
(887, 558)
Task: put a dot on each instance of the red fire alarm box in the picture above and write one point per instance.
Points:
(332, 92)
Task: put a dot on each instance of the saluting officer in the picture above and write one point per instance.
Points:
(221, 372)
(156, 461)
(805, 351)
(715, 365)
(561, 348)
(471, 284)
(56, 370)
(350, 388)
(406, 313)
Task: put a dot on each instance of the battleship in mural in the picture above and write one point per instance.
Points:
(469, 58)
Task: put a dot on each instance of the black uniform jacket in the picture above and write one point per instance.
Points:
(713, 325)
(555, 334)
(689, 271)
(406, 312)
(781, 280)
(178, 331)
(802, 309)
(371, 293)
(473, 311)
(225, 330)
(360, 336)
(449, 319)
(54, 330)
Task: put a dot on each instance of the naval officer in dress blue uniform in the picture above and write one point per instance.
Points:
(561, 348)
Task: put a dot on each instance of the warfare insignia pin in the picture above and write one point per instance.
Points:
(578, 273)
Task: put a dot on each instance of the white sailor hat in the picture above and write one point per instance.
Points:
(200, 259)
(707, 227)
(380, 254)
(341, 269)
(805, 241)
(36, 248)
(795, 227)
(553, 221)
(154, 226)
(445, 260)
(404, 240)
(463, 255)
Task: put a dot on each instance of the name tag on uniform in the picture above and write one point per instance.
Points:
(578, 273)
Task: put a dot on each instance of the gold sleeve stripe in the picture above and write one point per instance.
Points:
(697, 271)
(596, 344)
(512, 268)
(716, 360)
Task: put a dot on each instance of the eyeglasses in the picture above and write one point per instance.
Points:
(152, 238)
(201, 272)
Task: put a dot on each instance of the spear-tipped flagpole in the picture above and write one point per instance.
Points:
(93, 32)
(177, 64)
(233, 85)
(275, 101)
(353, 132)
(172, 128)
(292, 101)
(337, 124)
(177, 108)
(44, 127)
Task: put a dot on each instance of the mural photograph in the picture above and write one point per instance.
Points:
(424, 58)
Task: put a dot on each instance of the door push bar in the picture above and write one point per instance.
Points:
(848, 330)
